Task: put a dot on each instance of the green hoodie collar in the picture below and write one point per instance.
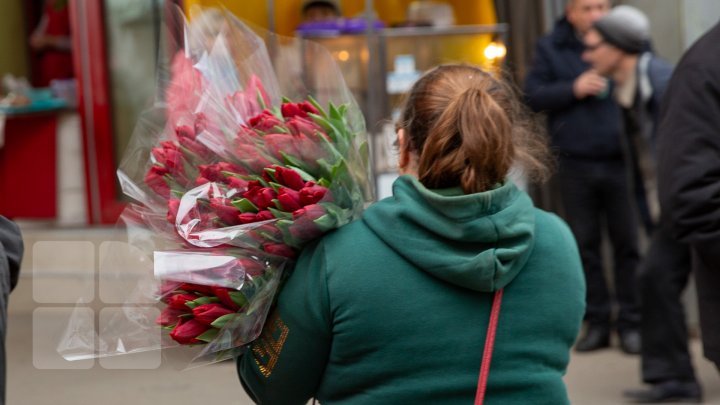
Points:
(478, 241)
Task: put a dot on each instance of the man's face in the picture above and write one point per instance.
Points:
(583, 13)
(319, 12)
(603, 57)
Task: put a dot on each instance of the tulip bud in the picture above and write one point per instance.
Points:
(312, 195)
(288, 177)
(198, 288)
(261, 196)
(173, 206)
(185, 131)
(155, 179)
(237, 183)
(178, 301)
(289, 199)
(225, 212)
(224, 295)
(186, 332)
(170, 316)
(279, 249)
(208, 313)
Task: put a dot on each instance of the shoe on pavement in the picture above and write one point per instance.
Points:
(596, 337)
(667, 391)
(630, 341)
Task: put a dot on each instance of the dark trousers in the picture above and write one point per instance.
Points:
(594, 192)
(663, 277)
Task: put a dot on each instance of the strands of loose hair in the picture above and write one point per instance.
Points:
(469, 129)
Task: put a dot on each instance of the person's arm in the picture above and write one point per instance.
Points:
(285, 365)
(544, 91)
(12, 244)
(38, 33)
(689, 159)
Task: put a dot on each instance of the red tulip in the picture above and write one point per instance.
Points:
(298, 126)
(208, 313)
(195, 147)
(251, 267)
(304, 227)
(227, 213)
(185, 131)
(201, 123)
(299, 146)
(251, 157)
(173, 206)
(230, 168)
(288, 177)
(186, 332)
(178, 301)
(279, 249)
(169, 156)
(312, 211)
(198, 288)
(166, 288)
(248, 218)
(276, 144)
(224, 295)
(312, 194)
(237, 183)
(201, 180)
(289, 199)
(155, 179)
(261, 196)
(211, 172)
(290, 110)
(170, 316)
(265, 122)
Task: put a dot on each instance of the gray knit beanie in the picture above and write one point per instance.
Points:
(626, 28)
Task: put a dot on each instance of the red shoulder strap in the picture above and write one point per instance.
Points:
(489, 344)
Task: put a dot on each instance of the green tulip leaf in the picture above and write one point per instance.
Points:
(317, 106)
(238, 298)
(221, 321)
(303, 174)
(245, 205)
(201, 301)
(277, 213)
(209, 335)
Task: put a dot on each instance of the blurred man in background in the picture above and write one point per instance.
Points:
(585, 127)
(52, 41)
(617, 47)
(320, 10)
(689, 173)
(11, 251)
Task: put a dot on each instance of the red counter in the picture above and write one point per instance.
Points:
(28, 166)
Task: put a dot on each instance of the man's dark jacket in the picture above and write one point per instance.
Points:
(11, 251)
(689, 172)
(586, 129)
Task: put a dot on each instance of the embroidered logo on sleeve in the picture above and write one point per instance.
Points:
(266, 349)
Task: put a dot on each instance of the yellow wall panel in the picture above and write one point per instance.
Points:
(254, 11)
(287, 12)
(13, 44)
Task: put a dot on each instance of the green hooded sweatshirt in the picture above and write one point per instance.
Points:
(394, 308)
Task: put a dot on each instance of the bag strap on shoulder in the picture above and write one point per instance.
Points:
(488, 351)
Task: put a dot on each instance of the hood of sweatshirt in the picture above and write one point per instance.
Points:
(477, 241)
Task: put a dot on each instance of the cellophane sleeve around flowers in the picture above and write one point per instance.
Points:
(253, 148)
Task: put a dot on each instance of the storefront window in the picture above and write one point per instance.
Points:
(133, 30)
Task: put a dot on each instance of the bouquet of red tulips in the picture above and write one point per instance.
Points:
(229, 186)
